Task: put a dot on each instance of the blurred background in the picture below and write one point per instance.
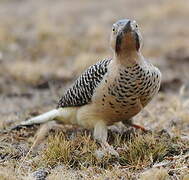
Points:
(45, 45)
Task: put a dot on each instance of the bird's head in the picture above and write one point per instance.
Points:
(125, 37)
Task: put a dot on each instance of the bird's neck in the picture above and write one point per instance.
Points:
(129, 59)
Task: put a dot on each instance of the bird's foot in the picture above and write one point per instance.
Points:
(129, 122)
(139, 127)
(101, 153)
(109, 149)
(100, 134)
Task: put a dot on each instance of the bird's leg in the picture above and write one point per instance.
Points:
(100, 134)
(139, 127)
(130, 123)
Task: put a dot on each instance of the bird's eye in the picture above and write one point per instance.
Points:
(136, 25)
(113, 29)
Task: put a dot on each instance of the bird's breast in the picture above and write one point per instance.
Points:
(124, 93)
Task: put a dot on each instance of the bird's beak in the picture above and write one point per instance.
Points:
(118, 42)
(126, 35)
(127, 27)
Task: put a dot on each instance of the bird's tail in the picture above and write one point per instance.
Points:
(48, 116)
(64, 115)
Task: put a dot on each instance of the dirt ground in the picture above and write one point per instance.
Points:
(45, 45)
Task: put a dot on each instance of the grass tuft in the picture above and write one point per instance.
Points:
(143, 150)
(137, 152)
(58, 150)
(77, 153)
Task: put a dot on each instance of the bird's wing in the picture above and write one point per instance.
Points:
(81, 92)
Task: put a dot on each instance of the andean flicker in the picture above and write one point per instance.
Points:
(110, 91)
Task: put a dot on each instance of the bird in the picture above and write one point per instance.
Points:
(111, 91)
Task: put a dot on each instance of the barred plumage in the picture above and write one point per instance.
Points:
(81, 92)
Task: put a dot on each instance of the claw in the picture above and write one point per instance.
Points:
(139, 127)
(109, 149)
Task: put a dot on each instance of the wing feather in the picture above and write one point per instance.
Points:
(81, 92)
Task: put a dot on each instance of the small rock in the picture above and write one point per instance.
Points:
(40, 174)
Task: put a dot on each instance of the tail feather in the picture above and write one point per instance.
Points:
(65, 115)
(48, 116)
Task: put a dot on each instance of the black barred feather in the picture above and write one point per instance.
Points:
(82, 90)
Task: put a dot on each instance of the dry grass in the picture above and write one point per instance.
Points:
(143, 150)
(75, 150)
(77, 153)
(8, 174)
(136, 152)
